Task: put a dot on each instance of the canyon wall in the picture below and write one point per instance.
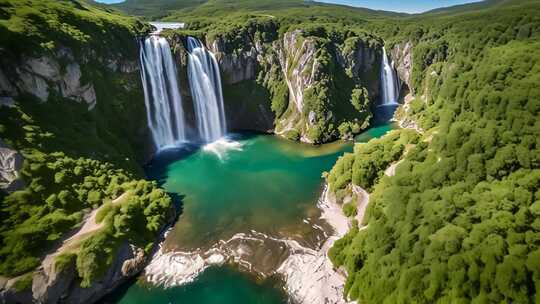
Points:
(299, 85)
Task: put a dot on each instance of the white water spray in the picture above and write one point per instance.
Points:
(205, 83)
(161, 94)
(389, 82)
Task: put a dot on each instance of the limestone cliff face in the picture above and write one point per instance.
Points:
(236, 65)
(361, 61)
(321, 77)
(402, 54)
(265, 81)
(43, 76)
(52, 286)
(58, 73)
(301, 70)
(299, 64)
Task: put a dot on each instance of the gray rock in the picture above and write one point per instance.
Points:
(6, 88)
(237, 66)
(129, 67)
(45, 67)
(401, 55)
(11, 163)
(72, 88)
(33, 84)
(50, 286)
(9, 293)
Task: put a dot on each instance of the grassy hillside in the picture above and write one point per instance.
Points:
(29, 26)
(182, 10)
(154, 10)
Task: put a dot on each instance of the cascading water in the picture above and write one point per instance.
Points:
(161, 94)
(205, 83)
(389, 82)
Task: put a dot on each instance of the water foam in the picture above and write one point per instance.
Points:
(222, 147)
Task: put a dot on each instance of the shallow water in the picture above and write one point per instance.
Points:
(221, 285)
(251, 182)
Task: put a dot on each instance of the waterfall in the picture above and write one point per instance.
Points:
(389, 82)
(205, 83)
(161, 93)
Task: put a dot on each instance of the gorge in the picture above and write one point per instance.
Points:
(268, 152)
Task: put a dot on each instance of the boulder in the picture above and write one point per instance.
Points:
(11, 163)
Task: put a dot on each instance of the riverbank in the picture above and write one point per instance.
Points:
(309, 275)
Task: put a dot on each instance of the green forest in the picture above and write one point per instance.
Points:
(458, 222)
(75, 160)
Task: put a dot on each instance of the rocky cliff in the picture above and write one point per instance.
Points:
(401, 55)
(299, 85)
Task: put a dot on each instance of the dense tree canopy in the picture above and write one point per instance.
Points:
(459, 221)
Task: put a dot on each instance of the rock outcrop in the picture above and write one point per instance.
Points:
(299, 64)
(265, 82)
(59, 73)
(401, 55)
(53, 286)
(238, 65)
(362, 62)
(11, 293)
(322, 75)
(11, 162)
(42, 75)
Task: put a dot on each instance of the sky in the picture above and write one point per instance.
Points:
(404, 6)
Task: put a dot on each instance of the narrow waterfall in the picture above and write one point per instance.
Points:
(161, 93)
(205, 83)
(389, 82)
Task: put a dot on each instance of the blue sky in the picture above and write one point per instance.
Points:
(406, 6)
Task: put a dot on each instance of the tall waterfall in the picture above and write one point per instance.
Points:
(161, 94)
(205, 83)
(389, 82)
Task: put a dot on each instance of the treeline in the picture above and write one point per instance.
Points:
(459, 222)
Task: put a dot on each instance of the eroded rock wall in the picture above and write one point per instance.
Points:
(265, 82)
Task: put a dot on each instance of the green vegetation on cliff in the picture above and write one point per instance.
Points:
(459, 221)
(76, 159)
(327, 54)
